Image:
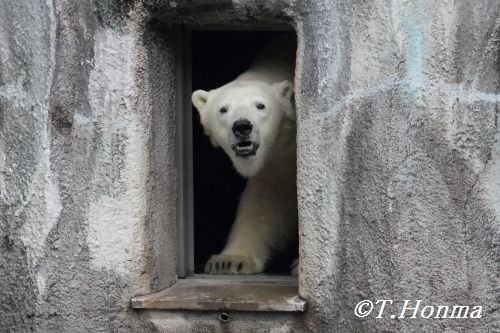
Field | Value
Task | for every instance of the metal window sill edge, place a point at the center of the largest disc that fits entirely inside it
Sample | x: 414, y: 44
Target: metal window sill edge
x: 231, y: 293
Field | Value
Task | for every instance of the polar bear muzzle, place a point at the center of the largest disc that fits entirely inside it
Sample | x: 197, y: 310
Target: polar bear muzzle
x: 242, y: 128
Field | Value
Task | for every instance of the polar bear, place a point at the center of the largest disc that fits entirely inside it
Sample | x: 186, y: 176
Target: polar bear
x: 253, y: 120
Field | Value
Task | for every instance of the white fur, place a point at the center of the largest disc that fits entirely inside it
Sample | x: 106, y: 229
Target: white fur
x: 267, y: 215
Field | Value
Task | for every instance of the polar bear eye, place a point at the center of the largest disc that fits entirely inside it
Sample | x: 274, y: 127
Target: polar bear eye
x: 223, y: 109
x: 260, y: 106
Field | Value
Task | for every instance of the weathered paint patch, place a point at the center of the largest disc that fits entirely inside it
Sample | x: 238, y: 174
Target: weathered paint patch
x: 490, y: 178
x: 117, y: 215
x: 34, y: 233
x: 414, y: 51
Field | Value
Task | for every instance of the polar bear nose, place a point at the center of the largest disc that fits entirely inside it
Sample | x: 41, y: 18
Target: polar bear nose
x: 242, y: 128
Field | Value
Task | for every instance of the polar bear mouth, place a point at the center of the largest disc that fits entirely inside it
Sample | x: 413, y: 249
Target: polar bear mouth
x: 245, y: 148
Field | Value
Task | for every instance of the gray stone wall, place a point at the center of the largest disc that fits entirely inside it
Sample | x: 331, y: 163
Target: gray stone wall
x: 398, y: 162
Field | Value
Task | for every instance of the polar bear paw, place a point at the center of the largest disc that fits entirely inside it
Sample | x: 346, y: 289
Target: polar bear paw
x: 231, y: 264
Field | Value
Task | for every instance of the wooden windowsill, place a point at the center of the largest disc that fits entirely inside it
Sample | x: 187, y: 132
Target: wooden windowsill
x: 241, y: 293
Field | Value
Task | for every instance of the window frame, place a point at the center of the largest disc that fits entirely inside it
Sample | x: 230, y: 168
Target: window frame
x: 184, y: 137
x: 187, y: 290
x: 184, y: 153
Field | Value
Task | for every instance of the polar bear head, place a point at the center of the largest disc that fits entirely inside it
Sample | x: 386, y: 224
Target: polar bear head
x: 245, y: 119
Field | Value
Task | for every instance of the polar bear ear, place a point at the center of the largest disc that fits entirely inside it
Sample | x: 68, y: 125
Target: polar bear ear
x: 199, y: 99
x: 285, y: 89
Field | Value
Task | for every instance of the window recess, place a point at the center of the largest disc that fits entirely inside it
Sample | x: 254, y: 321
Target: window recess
x: 209, y: 187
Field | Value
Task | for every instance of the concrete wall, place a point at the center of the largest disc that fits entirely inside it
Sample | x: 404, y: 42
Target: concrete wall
x: 398, y: 148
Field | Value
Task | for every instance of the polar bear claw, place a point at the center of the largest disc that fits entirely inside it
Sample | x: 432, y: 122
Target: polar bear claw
x: 231, y: 264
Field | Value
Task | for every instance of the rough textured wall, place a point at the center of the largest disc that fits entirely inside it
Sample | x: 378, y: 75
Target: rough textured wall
x: 405, y: 162
x: 398, y: 147
x: 400, y: 180
x: 26, y: 65
x: 77, y: 150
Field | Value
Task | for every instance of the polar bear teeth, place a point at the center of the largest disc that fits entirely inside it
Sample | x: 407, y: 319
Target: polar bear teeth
x: 245, y: 148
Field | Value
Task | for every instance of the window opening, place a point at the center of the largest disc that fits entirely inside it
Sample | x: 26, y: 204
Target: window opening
x: 211, y: 59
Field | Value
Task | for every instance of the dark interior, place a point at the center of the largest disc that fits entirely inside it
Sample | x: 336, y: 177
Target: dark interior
x: 217, y: 58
